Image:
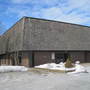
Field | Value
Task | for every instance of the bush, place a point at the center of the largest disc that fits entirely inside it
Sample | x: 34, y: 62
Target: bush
x: 68, y: 63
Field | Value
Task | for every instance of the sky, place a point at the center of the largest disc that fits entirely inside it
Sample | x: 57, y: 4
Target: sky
x: 72, y: 11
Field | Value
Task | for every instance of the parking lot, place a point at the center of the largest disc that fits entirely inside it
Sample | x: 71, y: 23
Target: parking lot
x: 39, y: 80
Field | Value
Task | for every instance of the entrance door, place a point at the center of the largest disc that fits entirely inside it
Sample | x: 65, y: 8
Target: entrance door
x: 60, y: 57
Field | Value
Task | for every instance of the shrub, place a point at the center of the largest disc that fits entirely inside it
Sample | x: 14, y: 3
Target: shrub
x: 68, y: 63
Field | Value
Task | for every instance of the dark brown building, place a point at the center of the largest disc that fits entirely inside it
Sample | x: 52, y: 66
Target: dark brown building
x: 33, y: 41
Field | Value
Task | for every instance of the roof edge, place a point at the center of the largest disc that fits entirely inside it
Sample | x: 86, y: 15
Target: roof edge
x: 13, y: 25
x: 44, y: 20
x: 56, y: 21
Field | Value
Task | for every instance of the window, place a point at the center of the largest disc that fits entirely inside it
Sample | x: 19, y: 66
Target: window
x: 52, y: 55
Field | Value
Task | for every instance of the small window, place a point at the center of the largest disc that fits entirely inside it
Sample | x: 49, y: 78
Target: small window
x: 53, y: 56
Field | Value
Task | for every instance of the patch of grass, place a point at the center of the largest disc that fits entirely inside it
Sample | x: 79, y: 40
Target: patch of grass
x: 42, y: 70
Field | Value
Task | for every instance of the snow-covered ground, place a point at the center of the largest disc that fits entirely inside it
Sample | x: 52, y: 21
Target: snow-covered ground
x: 45, y: 80
x: 12, y: 69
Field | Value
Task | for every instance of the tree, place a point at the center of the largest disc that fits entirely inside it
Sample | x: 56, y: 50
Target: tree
x: 68, y: 63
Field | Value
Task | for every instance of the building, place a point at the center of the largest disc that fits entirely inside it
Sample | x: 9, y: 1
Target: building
x: 33, y: 41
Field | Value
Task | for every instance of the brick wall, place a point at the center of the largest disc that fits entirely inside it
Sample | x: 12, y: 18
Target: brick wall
x: 78, y: 56
x: 42, y: 58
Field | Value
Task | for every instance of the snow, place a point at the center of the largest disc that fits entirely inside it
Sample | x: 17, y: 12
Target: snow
x: 12, y: 68
x: 77, y: 69
x: 54, y: 66
x: 77, y: 62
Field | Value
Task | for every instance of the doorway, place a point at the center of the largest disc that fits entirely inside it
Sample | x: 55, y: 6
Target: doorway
x: 60, y: 57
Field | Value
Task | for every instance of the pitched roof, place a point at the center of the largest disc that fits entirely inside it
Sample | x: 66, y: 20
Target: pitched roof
x: 40, y: 34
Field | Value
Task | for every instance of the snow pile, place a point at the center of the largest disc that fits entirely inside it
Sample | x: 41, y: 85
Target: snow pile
x: 13, y: 68
x: 45, y: 66
x: 77, y: 69
x: 54, y: 66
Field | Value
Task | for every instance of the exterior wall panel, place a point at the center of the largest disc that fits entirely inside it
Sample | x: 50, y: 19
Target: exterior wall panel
x: 27, y: 58
x: 42, y: 58
x: 88, y: 57
x: 78, y: 56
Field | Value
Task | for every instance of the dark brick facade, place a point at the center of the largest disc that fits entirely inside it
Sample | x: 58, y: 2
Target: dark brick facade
x: 42, y: 58
x: 34, y: 58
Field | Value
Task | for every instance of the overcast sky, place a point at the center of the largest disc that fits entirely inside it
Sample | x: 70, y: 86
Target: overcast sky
x: 72, y: 11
